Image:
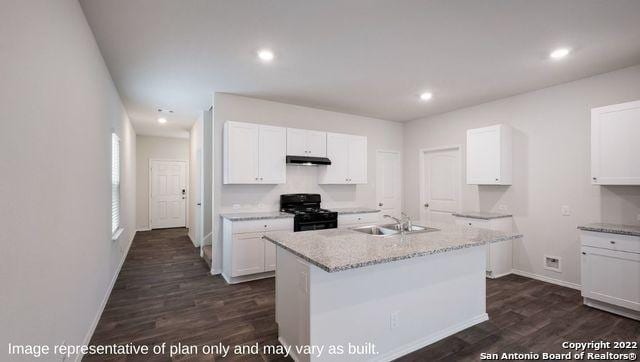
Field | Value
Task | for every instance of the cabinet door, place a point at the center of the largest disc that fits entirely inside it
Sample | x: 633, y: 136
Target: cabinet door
x: 248, y: 254
x: 316, y: 144
x: 241, y: 153
x: 269, y: 256
x: 611, y: 276
x: 272, y: 155
x: 297, y: 142
x: 483, y: 155
x: 338, y: 153
x: 357, y: 160
x: 614, y: 144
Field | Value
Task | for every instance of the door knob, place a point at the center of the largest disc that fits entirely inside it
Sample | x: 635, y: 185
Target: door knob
x: 380, y: 204
x: 426, y: 205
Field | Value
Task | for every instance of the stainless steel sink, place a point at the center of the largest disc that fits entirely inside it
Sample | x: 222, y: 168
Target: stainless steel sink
x: 376, y: 230
x: 391, y: 229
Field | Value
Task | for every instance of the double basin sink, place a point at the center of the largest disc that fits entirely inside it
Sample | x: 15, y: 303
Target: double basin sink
x: 392, y: 229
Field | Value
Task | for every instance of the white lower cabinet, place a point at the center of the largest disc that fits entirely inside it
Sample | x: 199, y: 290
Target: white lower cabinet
x: 611, y: 272
x: 500, y: 254
x: 246, y: 255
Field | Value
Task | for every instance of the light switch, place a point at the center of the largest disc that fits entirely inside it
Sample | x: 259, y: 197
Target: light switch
x: 566, y: 210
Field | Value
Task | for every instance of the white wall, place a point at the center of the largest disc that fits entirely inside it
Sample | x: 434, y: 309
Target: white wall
x: 149, y: 147
x: 551, y: 166
x: 195, y: 173
x: 59, y: 107
x: 381, y: 135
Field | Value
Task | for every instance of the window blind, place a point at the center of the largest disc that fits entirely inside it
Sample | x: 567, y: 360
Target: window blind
x: 115, y: 183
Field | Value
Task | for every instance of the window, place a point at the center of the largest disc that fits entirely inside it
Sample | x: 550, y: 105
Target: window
x: 115, y: 186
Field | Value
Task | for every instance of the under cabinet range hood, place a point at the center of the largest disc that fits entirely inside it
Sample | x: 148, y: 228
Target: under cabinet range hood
x: 308, y: 161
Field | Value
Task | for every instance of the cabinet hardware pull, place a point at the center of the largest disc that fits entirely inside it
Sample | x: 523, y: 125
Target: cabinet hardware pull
x: 612, y: 242
x: 380, y: 204
x: 583, y: 253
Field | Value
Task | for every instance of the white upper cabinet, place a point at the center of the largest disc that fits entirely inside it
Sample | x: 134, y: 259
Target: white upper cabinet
x: 614, y: 144
x: 302, y: 142
x: 489, y: 155
x: 348, y: 155
x: 254, y: 154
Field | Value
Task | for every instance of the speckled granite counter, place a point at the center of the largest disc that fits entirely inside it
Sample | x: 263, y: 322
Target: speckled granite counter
x: 632, y: 230
x: 353, y: 210
x: 481, y: 215
x: 340, y: 249
x: 244, y: 216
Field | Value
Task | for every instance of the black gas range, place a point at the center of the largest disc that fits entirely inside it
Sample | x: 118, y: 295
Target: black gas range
x: 308, y: 213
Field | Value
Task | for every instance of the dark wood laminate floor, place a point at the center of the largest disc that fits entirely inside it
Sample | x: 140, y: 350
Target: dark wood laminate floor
x: 164, y: 293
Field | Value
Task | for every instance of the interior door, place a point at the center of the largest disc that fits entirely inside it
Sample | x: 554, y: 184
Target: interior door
x: 168, y: 194
x: 440, y: 185
x: 316, y: 143
x: 357, y: 160
x: 388, y: 182
x: 272, y: 155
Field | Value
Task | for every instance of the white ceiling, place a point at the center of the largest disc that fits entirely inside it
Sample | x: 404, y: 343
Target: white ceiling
x: 367, y: 57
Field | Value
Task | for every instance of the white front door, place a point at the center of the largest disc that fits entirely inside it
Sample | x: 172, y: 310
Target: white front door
x: 167, y: 194
x: 440, y: 183
x: 388, y: 180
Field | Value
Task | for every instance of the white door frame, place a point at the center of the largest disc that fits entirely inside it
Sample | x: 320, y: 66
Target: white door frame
x: 186, y: 181
x: 399, y: 153
x: 421, y: 179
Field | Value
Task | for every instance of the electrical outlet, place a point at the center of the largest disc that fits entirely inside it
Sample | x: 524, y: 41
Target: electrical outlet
x: 394, y: 319
x: 236, y: 206
x: 566, y: 210
x: 503, y: 208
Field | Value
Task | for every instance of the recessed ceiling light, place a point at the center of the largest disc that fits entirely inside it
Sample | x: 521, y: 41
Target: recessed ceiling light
x: 426, y: 96
x: 162, y: 120
x: 266, y: 55
x: 559, y: 53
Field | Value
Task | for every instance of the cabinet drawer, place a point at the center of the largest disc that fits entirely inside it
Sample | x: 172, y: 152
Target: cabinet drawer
x: 254, y: 226
x: 476, y: 223
x: 626, y: 243
x: 356, y: 219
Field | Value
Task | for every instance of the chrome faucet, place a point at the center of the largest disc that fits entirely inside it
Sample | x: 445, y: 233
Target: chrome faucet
x: 404, y: 222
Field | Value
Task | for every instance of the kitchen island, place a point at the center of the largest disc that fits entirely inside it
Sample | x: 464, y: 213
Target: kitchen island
x: 347, y: 295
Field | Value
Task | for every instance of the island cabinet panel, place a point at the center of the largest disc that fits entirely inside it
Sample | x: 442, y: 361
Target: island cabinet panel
x: 353, y: 220
x: 246, y: 254
x: 614, y: 144
x: 610, y: 272
x: 302, y: 142
x: 500, y: 254
x: 399, y: 307
x: 489, y: 155
x: 348, y: 155
x: 254, y: 154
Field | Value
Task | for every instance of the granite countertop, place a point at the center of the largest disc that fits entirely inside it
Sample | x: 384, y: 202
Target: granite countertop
x: 632, y: 230
x: 481, y: 215
x: 353, y: 210
x: 245, y: 216
x: 335, y: 250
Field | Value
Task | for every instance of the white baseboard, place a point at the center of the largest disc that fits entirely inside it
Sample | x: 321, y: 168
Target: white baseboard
x: 105, y: 299
x: 423, y: 342
x: 143, y: 229
x: 547, y: 279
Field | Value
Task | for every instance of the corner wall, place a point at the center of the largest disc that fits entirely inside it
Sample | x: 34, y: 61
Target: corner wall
x: 551, y: 154
x: 59, y: 104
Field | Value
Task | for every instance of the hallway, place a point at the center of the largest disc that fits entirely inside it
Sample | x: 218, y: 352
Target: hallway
x: 164, y: 293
